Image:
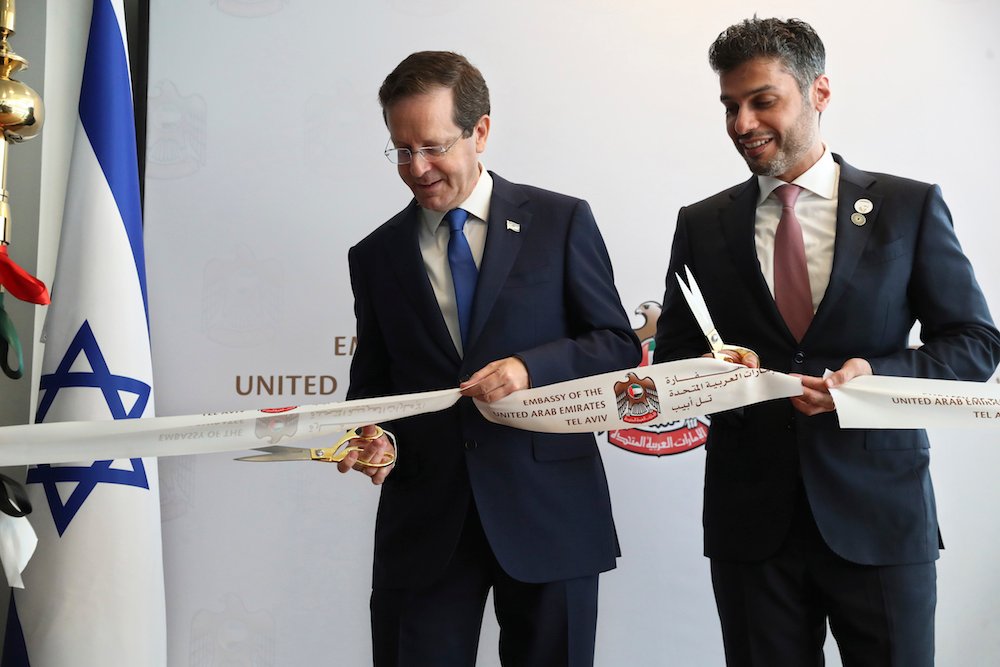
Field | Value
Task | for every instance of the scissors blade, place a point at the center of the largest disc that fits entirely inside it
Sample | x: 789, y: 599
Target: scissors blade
x: 696, y: 302
x: 337, y: 452
x: 279, y: 453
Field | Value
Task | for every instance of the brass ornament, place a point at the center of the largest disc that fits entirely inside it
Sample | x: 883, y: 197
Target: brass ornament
x: 21, y: 116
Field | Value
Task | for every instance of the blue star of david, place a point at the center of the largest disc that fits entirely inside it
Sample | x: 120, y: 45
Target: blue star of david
x: 100, y: 472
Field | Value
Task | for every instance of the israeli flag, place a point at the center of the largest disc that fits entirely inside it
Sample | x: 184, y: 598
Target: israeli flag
x: 94, y: 590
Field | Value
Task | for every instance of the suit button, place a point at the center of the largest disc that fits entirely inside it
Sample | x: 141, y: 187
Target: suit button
x: 800, y: 356
x: 470, y: 444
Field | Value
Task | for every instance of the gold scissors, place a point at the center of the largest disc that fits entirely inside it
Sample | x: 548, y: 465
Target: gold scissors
x: 333, y: 454
x: 696, y: 302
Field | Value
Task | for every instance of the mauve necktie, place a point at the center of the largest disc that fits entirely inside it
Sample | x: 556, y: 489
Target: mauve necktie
x: 463, y: 269
x: 792, y: 293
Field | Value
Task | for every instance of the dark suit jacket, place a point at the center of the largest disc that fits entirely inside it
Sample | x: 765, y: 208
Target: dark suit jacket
x: 869, y: 490
x: 546, y: 294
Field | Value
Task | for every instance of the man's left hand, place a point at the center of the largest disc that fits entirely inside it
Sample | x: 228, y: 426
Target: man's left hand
x: 496, y: 380
x: 815, y: 398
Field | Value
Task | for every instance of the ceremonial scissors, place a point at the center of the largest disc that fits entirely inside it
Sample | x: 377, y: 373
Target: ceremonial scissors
x: 696, y: 302
x: 338, y: 451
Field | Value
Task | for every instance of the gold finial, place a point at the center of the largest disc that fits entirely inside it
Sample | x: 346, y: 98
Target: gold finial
x: 7, y: 17
x: 21, y: 110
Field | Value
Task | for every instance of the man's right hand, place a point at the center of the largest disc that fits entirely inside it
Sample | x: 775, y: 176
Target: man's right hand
x: 372, y: 450
x: 741, y: 356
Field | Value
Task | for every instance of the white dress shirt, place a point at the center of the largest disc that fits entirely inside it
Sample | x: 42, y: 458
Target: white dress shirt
x: 816, y: 210
x: 433, y: 238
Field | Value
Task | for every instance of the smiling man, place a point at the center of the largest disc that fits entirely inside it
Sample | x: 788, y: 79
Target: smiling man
x: 813, y: 265
x: 495, y: 287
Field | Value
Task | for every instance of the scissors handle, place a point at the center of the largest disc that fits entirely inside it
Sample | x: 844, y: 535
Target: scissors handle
x: 715, y: 342
x: 340, y: 449
x: 739, y: 349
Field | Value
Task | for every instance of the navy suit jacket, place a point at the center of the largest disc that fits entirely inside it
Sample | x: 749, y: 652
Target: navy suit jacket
x: 869, y: 490
x: 546, y: 294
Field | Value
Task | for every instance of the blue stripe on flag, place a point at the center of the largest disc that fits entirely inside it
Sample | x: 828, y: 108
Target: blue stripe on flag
x: 106, y: 78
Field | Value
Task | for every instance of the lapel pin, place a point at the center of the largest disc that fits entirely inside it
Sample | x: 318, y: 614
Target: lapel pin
x: 858, y: 219
x: 513, y: 226
x: 864, y: 207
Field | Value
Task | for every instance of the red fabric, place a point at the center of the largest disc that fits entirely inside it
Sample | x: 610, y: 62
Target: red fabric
x: 791, y: 273
x: 21, y: 284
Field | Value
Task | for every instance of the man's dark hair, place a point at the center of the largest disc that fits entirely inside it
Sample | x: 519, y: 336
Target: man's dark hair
x: 424, y: 71
x: 793, y: 42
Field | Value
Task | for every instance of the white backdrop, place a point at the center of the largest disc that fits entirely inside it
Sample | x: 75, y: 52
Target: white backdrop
x: 264, y: 166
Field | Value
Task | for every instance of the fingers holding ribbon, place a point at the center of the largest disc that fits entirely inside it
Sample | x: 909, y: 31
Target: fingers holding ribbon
x: 816, y: 398
x: 497, y: 379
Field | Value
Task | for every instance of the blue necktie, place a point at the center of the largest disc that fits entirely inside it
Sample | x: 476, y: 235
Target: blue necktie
x: 463, y: 269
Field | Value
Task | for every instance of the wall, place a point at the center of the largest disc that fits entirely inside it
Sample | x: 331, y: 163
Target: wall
x: 264, y: 164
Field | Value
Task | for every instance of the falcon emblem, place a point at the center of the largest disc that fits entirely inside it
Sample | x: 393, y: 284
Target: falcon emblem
x: 648, y: 437
x: 650, y: 311
x: 276, y: 427
x: 637, y: 399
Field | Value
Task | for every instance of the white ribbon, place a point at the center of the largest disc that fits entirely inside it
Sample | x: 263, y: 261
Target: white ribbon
x: 678, y: 389
x: 655, y: 394
x: 17, y: 544
x: 65, y: 442
x: 659, y: 393
x: 882, y: 401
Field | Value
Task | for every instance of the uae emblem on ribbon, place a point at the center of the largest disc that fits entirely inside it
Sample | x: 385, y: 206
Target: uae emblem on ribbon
x: 638, y: 401
x: 648, y: 436
x: 276, y: 426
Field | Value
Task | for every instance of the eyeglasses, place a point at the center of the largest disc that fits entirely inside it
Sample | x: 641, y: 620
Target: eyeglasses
x: 429, y: 153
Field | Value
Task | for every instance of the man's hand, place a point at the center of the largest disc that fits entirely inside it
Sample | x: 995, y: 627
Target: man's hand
x: 740, y: 355
x: 815, y: 398
x: 497, y: 379
x: 374, y: 450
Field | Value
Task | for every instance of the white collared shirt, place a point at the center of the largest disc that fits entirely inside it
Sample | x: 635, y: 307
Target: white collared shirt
x: 816, y: 210
x: 433, y: 238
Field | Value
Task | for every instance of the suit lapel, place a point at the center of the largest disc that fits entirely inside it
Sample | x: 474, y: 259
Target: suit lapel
x: 738, y: 221
x: 402, y: 253
x: 851, y: 238
x: 502, y: 247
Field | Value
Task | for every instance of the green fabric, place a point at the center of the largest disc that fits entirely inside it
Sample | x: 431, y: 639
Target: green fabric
x: 9, y: 341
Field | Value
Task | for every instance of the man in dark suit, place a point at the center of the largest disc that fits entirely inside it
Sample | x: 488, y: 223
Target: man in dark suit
x: 470, y: 505
x: 804, y: 522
